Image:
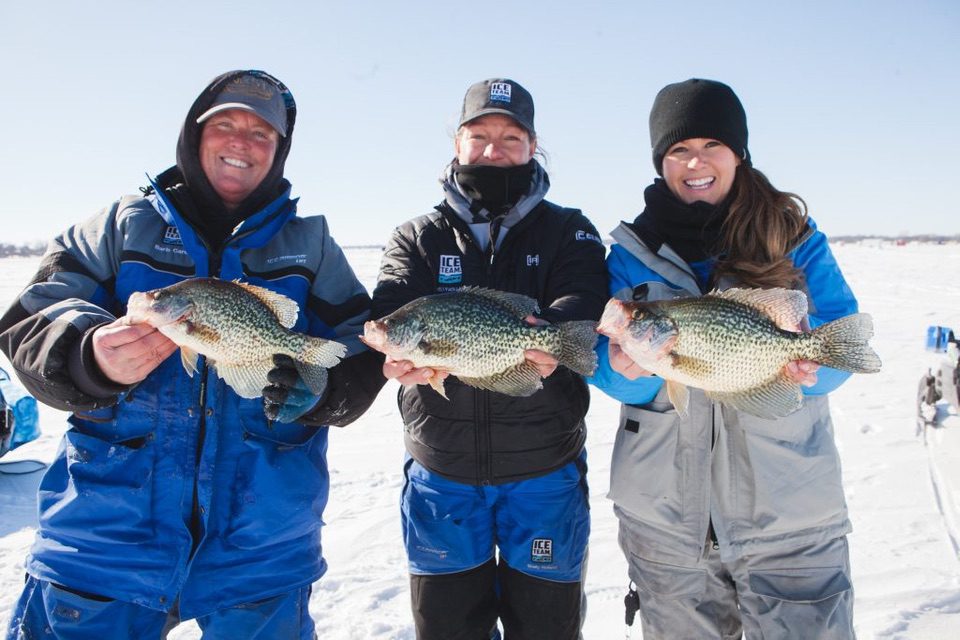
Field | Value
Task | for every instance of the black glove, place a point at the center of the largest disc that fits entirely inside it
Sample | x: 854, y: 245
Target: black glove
x: 352, y: 386
x: 287, y: 398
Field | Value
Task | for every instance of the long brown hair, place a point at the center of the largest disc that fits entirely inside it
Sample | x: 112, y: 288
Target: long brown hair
x: 762, y: 227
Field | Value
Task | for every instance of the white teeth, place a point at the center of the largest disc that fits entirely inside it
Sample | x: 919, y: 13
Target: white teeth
x: 233, y: 162
x: 699, y: 183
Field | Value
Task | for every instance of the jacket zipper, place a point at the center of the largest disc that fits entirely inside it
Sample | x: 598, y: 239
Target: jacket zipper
x: 196, y: 511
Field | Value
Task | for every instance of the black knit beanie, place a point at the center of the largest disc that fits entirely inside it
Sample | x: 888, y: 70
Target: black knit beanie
x: 697, y: 108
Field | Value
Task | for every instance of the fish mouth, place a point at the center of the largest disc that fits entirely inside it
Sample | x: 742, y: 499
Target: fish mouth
x: 374, y: 335
x: 614, y: 319
x: 144, y: 307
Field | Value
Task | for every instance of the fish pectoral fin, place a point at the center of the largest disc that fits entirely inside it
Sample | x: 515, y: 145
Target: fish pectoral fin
x: 679, y: 396
x: 247, y: 380
x: 520, y: 380
x: 775, y: 399
x: 189, y: 357
x: 437, y: 383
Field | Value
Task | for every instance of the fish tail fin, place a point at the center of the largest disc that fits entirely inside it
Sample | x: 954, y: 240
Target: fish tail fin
x: 844, y: 344
x: 315, y: 357
x: 577, y: 340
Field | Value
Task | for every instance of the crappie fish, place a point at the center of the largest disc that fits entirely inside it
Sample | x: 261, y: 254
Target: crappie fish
x: 734, y: 345
x: 238, y: 327
x: 479, y: 335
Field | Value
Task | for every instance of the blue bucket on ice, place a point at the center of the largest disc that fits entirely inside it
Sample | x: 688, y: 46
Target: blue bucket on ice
x: 19, y: 418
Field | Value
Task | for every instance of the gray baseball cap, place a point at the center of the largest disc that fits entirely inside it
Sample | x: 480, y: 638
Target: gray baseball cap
x: 254, y: 94
x: 498, y: 95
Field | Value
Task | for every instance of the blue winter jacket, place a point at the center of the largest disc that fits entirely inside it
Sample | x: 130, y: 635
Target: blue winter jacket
x: 138, y: 470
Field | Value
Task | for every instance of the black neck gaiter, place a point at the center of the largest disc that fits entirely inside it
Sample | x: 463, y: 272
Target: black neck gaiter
x: 495, y: 189
x: 692, y: 230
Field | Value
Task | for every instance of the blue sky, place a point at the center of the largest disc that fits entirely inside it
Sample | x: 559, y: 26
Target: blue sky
x: 852, y: 105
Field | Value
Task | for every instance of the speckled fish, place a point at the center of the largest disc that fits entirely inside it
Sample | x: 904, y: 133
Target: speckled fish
x: 238, y: 327
x: 735, y: 344
x: 479, y: 335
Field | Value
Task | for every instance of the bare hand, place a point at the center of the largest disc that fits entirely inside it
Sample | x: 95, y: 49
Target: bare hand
x: 127, y: 353
x: 624, y: 364
x: 802, y: 372
x: 545, y: 363
x: 405, y: 373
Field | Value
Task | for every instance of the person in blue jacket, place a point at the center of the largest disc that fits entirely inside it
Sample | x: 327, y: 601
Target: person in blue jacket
x: 171, y: 497
x: 731, y: 524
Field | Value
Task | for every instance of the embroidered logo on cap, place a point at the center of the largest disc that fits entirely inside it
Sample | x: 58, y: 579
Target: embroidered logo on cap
x: 500, y: 92
x: 541, y: 550
x: 450, y: 270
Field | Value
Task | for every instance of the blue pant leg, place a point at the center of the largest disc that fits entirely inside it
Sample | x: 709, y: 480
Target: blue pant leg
x: 543, y: 524
x: 283, y: 617
x: 48, y: 611
x: 448, y: 526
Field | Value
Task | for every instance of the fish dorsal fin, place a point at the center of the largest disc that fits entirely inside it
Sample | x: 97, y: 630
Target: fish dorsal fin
x: 518, y: 303
x: 283, y: 307
x: 787, y: 308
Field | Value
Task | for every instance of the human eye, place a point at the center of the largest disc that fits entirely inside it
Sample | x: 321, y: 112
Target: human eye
x: 676, y: 150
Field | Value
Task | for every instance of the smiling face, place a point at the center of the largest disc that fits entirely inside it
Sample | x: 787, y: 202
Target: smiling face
x: 236, y: 152
x: 495, y: 140
x: 700, y: 169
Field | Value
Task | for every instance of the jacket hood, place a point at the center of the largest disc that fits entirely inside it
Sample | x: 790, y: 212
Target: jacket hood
x: 188, y: 150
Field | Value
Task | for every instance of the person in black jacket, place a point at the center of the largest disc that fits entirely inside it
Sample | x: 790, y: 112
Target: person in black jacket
x: 486, y: 471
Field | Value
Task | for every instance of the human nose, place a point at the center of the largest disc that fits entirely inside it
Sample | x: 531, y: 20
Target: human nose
x: 694, y: 161
x: 240, y: 138
x: 492, y: 152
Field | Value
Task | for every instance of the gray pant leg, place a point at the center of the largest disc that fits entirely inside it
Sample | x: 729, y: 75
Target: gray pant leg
x: 682, y: 599
x: 801, y: 594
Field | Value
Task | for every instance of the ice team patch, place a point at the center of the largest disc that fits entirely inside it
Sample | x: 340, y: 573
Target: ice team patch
x: 172, y: 236
x: 450, y: 270
x: 500, y: 92
x: 541, y: 550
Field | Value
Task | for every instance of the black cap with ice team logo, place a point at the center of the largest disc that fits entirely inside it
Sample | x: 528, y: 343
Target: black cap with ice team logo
x: 498, y: 95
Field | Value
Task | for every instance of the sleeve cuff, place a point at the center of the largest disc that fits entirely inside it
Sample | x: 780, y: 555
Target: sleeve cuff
x: 84, y: 372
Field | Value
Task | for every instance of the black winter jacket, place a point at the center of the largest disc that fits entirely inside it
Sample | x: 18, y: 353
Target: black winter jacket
x: 480, y: 437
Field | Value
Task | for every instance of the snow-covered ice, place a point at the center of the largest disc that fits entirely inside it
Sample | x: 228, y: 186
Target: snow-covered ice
x: 903, y: 487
